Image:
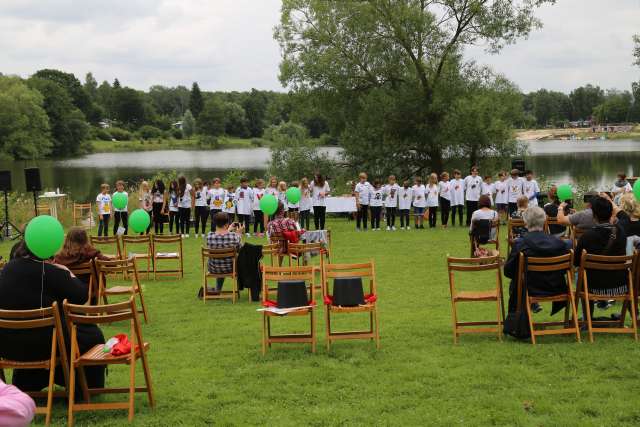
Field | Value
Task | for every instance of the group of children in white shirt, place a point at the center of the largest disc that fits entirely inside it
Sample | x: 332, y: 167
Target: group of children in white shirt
x: 450, y: 195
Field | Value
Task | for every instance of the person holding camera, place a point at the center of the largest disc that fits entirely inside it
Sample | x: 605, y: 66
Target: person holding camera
x: 582, y: 219
x: 225, y: 236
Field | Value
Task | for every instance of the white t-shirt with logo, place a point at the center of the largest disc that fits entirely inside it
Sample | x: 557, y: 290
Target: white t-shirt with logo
x: 457, y: 192
x: 515, y: 189
x: 500, y: 188
x: 390, y: 192
x: 229, y: 202
x: 257, y: 196
x: 185, y: 200
x: 488, y: 190
x: 305, y: 199
x: 419, y: 196
x: 432, y: 195
x: 201, y: 197
x: 125, y: 209
x: 444, y: 188
x: 273, y: 191
x: 104, y: 204
x: 173, y: 202
x: 244, y: 201
x: 531, y: 188
x: 405, y: 196
x: 364, y: 190
x: 472, y: 187
x: 319, y: 194
x: 216, y: 198
x: 377, y: 195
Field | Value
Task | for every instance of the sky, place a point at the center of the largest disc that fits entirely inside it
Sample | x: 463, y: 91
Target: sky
x: 228, y: 44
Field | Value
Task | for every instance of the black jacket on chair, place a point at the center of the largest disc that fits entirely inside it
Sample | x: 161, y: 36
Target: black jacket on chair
x: 536, y: 244
x: 249, y: 269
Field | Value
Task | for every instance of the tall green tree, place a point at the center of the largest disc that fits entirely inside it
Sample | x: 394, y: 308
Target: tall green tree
x: 211, y: 121
x: 235, y: 120
x: 584, y: 99
x: 615, y: 109
x: 24, y: 125
x: 196, y: 102
x: 128, y: 106
x: 91, y: 86
x: 103, y: 98
x: 69, y: 130
x: 636, y: 49
x: 71, y: 84
x: 188, y: 124
x: 354, y: 55
x: 255, y: 107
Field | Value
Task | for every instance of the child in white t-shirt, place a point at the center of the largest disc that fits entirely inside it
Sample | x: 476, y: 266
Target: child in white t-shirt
x: 145, y: 198
x: 216, y: 198
x: 531, y: 189
x: 457, y: 197
x: 502, y: 203
x: 515, y: 190
x: 258, y: 216
x: 444, y: 188
x: 121, y: 214
x: 282, y: 195
x: 363, y: 197
x: 472, y: 188
x: 419, y: 201
x: 432, y: 199
x: 375, y: 204
x: 405, y: 198
x: 487, y: 188
x: 391, y: 201
x: 173, y: 206
x: 103, y: 204
x: 320, y: 190
x: 293, y: 208
x: 305, y: 203
x: 229, y: 206
x: 244, y: 204
x: 201, y: 214
x: 186, y: 202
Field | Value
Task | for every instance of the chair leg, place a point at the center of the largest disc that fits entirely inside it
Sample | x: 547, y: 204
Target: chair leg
x: 72, y: 384
x: 499, y: 323
x: 574, y: 314
x: 52, y: 374
x: 533, y: 335
x: 455, y: 321
x: 587, y: 309
x: 634, y: 320
x: 144, y: 307
x: 147, y: 379
x: 375, y: 316
x: 132, y: 384
x: 313, y: 330
x: 327, y: 318
x: 264, y: 334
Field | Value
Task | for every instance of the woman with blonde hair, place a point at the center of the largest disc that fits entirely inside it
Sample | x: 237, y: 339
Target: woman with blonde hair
x: 432, y: 199
x: 630, y: 206
x: 146, y: 201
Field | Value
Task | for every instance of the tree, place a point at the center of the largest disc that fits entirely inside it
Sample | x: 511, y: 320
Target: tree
x: 196, y: 102
x: 636, y: 49
x: 103, y: 98
x: 71, y: 84
x: 188, y: 124
x: 211, y: 121
x: 584, y: 99
x: 116, y: 84
x: 91, y: 86
x: 255, y: 107
x: 69, y: 129
x: 615, y: 108
x: 24, y: 125
x: 128, y: 106
x: 352, y: 55
x: 235, y: 120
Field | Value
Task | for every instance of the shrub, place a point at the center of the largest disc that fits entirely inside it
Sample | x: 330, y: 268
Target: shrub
x: 208, y: 141
x: 148, y: 132
x: 120, y: 134
x: 176, y: 133
x: 256, y: 142
x: 103, y: 134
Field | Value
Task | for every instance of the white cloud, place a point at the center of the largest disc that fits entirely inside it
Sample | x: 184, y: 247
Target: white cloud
x: 228, y: 44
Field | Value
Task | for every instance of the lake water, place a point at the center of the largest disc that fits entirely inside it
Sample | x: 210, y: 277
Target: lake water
x: 594, y: 162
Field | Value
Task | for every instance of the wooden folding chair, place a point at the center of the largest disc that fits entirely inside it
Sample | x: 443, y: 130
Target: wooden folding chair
x: 302, y: 252
x: 271, y: 250
x: 610, y: 264
x: 82, y: 211
x: 44, y: 209
x: 513, y: 223
x: 127, y: 267
x: 474, y: 265
x: 273, y: 275
x: 364, y: 271
x: 97, y: 315
x: 143, y: 247
x: 562, y: 264
x: 112, y: 244
x: 576, y: 233
x: 88, y: 270
x: 494, y: 237
x: 553, y: 221
x: 159, y: 240
x: 282, y: 244
x: 219, y: 254
x: 49, y: 317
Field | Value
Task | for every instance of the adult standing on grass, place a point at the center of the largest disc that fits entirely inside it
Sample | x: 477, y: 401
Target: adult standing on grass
x: 159, y: 205
x: 226, y: 236
x: 319, y: 192
x: 186, y: 199
x: 472, y: 189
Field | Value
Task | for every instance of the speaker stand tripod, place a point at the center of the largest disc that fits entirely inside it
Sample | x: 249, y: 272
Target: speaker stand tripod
x: 6, y: 226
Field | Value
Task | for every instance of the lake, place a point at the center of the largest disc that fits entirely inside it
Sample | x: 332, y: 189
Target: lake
x: 594, y: 162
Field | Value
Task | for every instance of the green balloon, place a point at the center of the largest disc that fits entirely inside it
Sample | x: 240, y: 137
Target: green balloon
x: 565, y: 192
x: 293, y: 195
x: 269, y: 204
x: 139, y: 220
x: 119, y: 200
x: 44, y: 236
x: 636, y: 189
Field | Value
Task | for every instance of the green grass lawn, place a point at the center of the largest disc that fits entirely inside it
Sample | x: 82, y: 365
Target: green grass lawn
x: 207, y: 365
x: 99, y: 146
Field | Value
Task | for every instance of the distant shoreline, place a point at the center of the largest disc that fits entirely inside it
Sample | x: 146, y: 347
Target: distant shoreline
x: 574, y: 134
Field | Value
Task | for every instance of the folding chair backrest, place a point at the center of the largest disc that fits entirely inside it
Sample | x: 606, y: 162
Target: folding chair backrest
x: 361, y: 270
x: 472, y: 265
x: 110, y: 241
x: 219, y: 253
x: 606, y: 263
x: 125, y: 266
x: 87, y: 269
x: 280, y: 274
x: 514, y: 223
x: 136, y: 241
x: 100, y: 314
x: 160, y: 238
x: 548, y: 264
x: 270, y: 250
x: 279, y: 240
x: 576, y: 233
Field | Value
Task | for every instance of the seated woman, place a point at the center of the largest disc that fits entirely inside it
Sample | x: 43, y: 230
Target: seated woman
x: 523, y: 205
x: 535, y: 243
x: 226, y: 236
x: 77, y: 250
x: 481, y: 229
x: 551, y: 209
x: 27, y: 283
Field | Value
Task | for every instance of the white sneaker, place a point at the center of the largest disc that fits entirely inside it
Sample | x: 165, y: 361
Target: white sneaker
x: 393, y: 228
x: 182, y: 235
x: 388, y: 228
x: 248, y: 234
x: 187, y: 236
x: 408, y: 228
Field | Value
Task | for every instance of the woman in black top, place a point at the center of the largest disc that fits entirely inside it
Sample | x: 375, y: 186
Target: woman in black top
x: 27, y: 283
x: 551, y: 209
